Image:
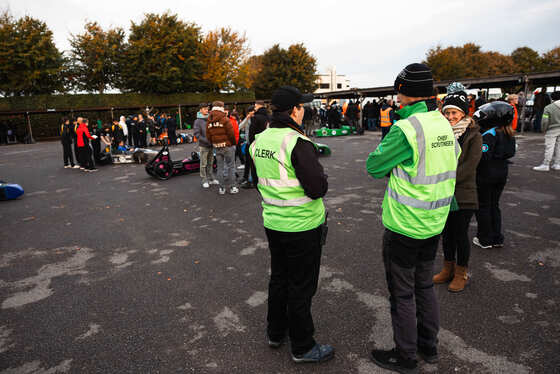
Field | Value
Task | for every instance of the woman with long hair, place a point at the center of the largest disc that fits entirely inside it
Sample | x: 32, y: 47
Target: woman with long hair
x: 498, y: 146
x: 456, y: 243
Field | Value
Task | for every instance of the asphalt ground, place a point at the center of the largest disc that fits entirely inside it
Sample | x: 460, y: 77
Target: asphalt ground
x: 117, y: 272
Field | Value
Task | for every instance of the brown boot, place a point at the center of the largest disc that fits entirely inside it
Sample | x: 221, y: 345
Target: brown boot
x: 446, y: 274
x: 460, y: 279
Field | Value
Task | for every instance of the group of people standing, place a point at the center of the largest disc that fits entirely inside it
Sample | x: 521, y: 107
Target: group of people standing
x: 218, y: 133
x: 139, y: 131
x: 77, y: 133
x: 443, y: 168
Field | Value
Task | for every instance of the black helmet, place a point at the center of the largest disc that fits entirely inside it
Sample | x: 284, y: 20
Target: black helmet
x: 497, y: 113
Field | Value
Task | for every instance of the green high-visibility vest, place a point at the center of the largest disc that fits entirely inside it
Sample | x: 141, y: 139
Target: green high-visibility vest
x: 419, y: 195
x: 285, y: 205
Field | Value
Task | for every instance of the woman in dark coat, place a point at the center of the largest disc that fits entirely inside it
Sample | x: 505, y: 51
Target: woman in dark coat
x: 456, y: 243
x: 498, y: 146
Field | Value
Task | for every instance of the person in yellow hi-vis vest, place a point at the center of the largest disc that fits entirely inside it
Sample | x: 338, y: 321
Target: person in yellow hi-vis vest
x: 292, y: 183
x: 420, y: 156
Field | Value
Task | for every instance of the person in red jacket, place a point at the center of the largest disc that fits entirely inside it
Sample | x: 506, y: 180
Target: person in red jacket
x: 84, y: 149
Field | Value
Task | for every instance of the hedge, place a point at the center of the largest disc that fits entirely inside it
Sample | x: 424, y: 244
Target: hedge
x: 47, y: 125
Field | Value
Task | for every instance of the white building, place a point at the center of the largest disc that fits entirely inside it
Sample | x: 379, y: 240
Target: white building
x: 332, y: 82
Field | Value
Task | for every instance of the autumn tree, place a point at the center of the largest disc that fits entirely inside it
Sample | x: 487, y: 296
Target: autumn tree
x: 223, y: 53
x: 551, y: 59
x: 468, y: 61
x: 94, y: 56
x: 248, y: 73
x: 162, y: 56
x: 527, y: 60
x: 30, y: 63
x: 294, y: 66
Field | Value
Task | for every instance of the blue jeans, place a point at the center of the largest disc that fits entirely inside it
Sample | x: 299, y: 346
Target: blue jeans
x: 538, y: 120
x: 372, y: 123
x: 225, y: 158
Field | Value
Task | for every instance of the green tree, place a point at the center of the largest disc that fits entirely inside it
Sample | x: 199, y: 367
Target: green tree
x: 527, y: 60
x: 162, y: 56
x: 30, y: 63
x: 94, y: 57
x: 294, y: 66
x: 223, y: 53
x: 551, y: 59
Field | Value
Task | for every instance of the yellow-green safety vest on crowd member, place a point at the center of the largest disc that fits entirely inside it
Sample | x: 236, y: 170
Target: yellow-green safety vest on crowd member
x: 418, y: 195
x: 285, y: 205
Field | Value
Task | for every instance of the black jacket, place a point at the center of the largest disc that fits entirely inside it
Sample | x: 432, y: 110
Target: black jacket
x: 67, y: 133
x: 171, y: 123
x: 305, y: 159
x: 497, y: 148
x: 259, y: 122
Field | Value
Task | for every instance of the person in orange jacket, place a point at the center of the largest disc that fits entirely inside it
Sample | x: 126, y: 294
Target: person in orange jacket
x: 513, y: 100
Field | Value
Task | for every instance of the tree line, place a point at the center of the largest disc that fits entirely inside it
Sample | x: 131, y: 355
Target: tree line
x: 165, y: 55
x: 162, y: 55
x: 470, y: 61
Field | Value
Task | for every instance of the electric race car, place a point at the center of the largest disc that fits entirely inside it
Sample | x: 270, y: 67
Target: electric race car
x: 162, y: 167
x: 131, y: 156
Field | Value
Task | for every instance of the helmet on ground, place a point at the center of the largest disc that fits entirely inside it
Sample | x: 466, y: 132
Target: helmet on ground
x: 497, y: 113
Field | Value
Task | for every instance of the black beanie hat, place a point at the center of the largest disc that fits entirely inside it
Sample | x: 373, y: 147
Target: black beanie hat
x: 415, y: 80
x: 457, y: 100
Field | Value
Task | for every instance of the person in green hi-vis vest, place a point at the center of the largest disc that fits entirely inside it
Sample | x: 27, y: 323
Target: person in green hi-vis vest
x: 292, y: 184
x: 419, y: 154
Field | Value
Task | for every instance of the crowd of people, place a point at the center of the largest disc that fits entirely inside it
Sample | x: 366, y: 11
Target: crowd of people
x: 444, y: 166
x: 446, y: 161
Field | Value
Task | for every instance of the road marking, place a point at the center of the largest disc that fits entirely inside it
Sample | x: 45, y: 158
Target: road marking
x: 227, y: 322
x: 258, y: 243
x: 505, y: 275
x: 40, y: 283
x: 93, y: 329
x: 36, y: 367
x: 5, y: 344
x: 258, y: 298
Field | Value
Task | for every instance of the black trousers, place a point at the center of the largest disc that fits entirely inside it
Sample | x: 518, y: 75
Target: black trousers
x: 172, y: 136
x: 409, y: 266
x: 250, y: 168
x: 85, y: 154
x: 132, y: 136
x: 455, y: 236
x: 384, y: 131
x: 489, y: 216
x: 295, y: 258
x: 67, y: 152
x: 77, y: 153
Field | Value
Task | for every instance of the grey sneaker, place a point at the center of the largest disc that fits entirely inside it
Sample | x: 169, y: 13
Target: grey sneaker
x: 233, y: 190
x: 222, y: 191
x: 319, y: 353
x: 477, y: 242
x: 555, y: 167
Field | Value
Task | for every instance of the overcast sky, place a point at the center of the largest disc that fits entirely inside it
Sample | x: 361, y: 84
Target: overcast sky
x: 368, y: 41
